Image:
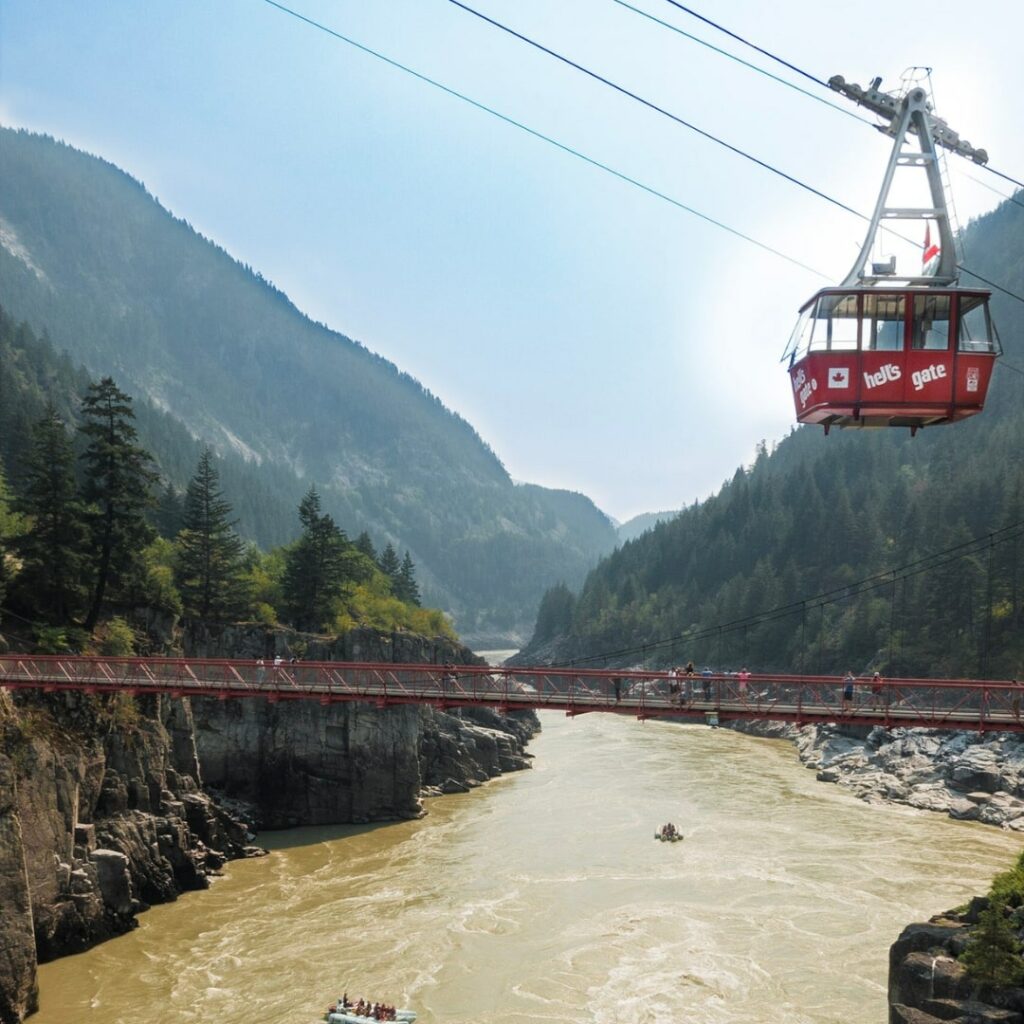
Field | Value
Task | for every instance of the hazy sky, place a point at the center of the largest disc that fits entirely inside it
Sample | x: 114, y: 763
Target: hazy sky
x: 598, y: 338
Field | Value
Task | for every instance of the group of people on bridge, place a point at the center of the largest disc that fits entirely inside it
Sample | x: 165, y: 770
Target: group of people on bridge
x: 878, y: 691
x: 682, y: 681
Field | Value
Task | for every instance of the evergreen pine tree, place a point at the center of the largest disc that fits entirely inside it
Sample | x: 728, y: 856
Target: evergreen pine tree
x: 169, y: 514
x: 118, y: 479
x: 52, y: 580
x: 316, y: 567
x: 389, y: 564
x: 365, y: 545
x: 406, y: 588
x: 992, y: 956
x: 209, y: 566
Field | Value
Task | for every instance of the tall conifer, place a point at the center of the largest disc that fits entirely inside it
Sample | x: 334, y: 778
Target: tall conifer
x: 209, y: 569
x: 406, y: 588
x: 52, y: 551
x: 316, y: 567
x: 365, y: 544
x: 118, y: 482
x: 389, y: 564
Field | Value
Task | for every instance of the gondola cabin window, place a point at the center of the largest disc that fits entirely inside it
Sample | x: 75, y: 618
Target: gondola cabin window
x: 884, y: 321
x: 930, y: 329
x: 976, y: 333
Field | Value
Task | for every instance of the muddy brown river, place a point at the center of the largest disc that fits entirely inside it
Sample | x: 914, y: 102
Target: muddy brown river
x: 543, y: 897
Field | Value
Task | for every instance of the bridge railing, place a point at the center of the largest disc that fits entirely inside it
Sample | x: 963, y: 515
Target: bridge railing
x: 940, y: 702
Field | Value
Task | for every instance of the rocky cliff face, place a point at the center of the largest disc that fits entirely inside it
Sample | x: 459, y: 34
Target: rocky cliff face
x: 101, y: 814
x: 105, y: 802
x: 303, y: 763
x: 18, y: 994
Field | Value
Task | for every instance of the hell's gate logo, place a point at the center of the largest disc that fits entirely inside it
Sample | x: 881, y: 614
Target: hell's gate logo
x: 803, y: 387
x: 921, y: 377
x: 887, y: 374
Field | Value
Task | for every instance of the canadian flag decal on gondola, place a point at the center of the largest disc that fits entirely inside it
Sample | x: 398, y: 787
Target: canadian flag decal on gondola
x: 930, y: 254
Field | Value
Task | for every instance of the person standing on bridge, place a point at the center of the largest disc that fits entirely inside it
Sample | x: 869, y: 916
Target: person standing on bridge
x: 877, y: 688
x: 705, y: 681
x: 848, y: 682
x: 744, y: 678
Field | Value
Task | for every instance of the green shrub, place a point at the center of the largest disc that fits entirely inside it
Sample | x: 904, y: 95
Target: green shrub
x: 117, y: 639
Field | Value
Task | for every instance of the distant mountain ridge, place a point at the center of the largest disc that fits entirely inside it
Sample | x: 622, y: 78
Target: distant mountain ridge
x: 129, y: 290
x: 632, y: 528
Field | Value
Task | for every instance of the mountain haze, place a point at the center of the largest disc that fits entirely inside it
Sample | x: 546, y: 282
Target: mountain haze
x: 127, y: 289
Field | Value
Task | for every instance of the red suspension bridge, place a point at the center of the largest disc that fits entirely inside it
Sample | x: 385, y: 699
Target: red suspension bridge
x: 988, y: 706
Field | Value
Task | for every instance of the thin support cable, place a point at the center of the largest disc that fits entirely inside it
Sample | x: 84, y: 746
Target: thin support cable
x: 650, y: 190
x: 745, y: 63
x: 747, y: 42
x: 569, y: 62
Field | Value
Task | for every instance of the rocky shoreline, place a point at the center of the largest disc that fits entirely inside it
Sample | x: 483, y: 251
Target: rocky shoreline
x: 968, y: 775
x: 111, y: 804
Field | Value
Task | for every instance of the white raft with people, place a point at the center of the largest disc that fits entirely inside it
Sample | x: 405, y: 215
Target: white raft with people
x: 345, y: 1012
x: 668, y: 834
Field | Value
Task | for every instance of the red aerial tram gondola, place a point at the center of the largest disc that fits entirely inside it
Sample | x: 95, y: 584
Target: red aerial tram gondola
x: 887, y: 349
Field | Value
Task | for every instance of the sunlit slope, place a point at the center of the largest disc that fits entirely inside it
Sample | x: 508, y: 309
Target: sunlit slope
x: 89, y: 256
x: 821, y: 512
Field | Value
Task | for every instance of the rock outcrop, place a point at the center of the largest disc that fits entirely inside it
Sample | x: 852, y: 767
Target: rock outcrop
x: 18, y: 993
x: 928, y: 984
x: 967, y: 775
x: 101, y: 814
x: 303, y: 763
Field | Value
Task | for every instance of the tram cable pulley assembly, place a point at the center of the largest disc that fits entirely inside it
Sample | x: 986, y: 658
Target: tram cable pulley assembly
x: 887, y: 347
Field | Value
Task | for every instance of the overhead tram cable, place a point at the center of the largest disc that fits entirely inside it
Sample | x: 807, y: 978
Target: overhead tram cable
x: 944, y: 136
x: 1005, y: 195
x: 744, y: 63
x: 592, y: 161
x: 799, y: 70
x: 747, y: 42
x: 653, y: 106
x: 578, y: 154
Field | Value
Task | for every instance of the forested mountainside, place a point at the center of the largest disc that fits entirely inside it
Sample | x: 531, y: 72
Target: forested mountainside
x: 820, y: 513
x: 90, y: 258
x: 34, y: 375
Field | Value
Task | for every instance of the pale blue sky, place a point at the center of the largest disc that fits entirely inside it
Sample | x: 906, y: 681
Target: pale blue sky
x: 597, y: 338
